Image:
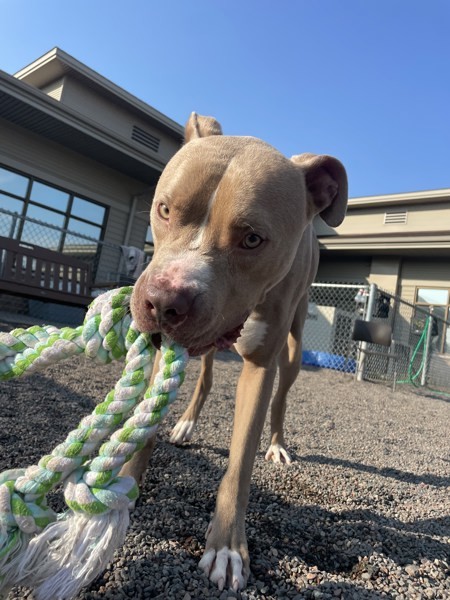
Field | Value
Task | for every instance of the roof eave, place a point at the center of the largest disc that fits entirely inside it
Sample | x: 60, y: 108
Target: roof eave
x: 439, y: 242
x: 38, y: 101
x: 439, y: 195
x: 56, y: 63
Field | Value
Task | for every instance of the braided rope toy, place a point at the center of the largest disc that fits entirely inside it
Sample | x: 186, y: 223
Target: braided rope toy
x: 57, y: 555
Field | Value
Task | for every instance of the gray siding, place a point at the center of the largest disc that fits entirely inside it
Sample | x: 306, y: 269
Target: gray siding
x: 344, y: 269
x: 423, y: 273
x: 384, y: 272
x: 139, y: 231
x: 55, y: 164
x: 113, y: 117
x: 419, y: 218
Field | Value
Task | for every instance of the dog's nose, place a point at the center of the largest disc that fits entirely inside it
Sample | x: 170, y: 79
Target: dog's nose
x: 170, y: 307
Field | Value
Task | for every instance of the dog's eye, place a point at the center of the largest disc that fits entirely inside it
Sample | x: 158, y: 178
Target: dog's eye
x: 163, y: 211
x: 252, y: 241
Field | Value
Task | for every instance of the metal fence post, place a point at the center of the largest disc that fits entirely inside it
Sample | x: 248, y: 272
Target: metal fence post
x: 427, y: 350
x: 368, y: 317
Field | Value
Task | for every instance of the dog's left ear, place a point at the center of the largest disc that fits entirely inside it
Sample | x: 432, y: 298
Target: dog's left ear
x: 326, y: 182
x: 200, y: 126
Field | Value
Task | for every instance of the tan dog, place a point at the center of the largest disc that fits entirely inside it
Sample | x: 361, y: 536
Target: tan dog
x: 235, y: 254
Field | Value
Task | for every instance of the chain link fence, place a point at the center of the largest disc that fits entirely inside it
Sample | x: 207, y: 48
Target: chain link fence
x: 421, y: 340
x: 108, y: 261
x: 332, y: 311
x: 419, y: 353
x: 111, y: 265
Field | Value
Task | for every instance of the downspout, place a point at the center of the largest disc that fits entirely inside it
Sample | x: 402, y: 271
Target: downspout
x: 126, y: 239
x: 131, y: 216
x: 427, y: 349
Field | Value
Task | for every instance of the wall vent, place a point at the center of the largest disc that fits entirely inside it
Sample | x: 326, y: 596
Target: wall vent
x: 395, y: 218
x: 54, y: 89
x: 145, y: 138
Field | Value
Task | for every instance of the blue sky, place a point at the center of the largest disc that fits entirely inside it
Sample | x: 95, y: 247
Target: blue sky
x: 367, y: 81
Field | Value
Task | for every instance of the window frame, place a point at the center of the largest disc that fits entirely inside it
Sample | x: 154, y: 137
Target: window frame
x: 427, y: 306
x: 67, y: 214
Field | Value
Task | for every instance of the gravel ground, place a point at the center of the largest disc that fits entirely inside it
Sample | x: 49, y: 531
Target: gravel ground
x: 362, y: 513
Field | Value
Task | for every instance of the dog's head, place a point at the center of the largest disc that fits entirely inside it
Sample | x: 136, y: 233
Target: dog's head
x: 227, y: 219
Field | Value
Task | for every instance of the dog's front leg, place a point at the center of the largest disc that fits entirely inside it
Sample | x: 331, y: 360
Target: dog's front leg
x: 226, y: 558
x: 183, y: 430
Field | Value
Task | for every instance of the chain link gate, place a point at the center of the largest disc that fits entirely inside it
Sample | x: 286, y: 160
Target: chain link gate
x: 327, y: 339
x: 332, y: 310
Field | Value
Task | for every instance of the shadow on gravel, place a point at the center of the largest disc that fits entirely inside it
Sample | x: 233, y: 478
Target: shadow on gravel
x: 143, y: 584
x: 35, y: 408
x: 303, y: 531
x: 334, y: 541
x: 228, y: 356
x: 287, y: 539
x: 405, y: 476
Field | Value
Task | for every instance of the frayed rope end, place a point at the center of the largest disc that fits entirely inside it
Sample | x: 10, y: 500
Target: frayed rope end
x: 71, y: 553
x: 12, y: 550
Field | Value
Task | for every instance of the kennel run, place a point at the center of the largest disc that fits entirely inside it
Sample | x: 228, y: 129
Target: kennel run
x: 420, y: 343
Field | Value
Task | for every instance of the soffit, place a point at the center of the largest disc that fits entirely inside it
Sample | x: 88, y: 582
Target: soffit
x: 389, y: 200
x: 436, y: 244
x: 57, y: 63
x: 33, y: 110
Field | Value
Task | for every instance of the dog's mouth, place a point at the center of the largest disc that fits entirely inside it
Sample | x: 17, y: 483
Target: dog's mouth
x: 223, y: 342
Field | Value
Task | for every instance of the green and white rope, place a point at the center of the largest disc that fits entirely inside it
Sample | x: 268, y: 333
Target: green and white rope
x: 103, y: 337
x: 33, y: 547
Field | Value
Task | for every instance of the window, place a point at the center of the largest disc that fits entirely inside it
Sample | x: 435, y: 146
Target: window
x: 11, y: 204
x: 88, y: 210
x: 58, y: 210
x: 87, y: 229
x: 49, y: 196
x: 432, y: 297
x: 13, y: 183
x: 435, y: 301
x: 9, y: 223
x: 148, y: 246
x: 34, y: 233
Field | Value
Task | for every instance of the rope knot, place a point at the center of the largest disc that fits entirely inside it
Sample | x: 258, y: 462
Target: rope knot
x: 28, y: 513
x: 115, y: 494
x: 106, y: 326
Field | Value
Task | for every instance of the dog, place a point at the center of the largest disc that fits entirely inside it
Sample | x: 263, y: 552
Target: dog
x: 235, y: 254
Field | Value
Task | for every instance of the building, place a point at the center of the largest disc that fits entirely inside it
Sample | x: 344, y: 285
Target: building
x: 80, y: 158
x: 401, y: 242
x: 79, y: 161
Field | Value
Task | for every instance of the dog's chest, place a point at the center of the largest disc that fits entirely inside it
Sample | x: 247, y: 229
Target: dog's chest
x: 252, y: 337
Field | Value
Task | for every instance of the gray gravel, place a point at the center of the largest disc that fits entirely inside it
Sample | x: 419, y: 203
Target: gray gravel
x: 362, y: 513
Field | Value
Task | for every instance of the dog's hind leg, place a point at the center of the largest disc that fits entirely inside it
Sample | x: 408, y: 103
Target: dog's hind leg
x: 183, y: 430
x: 289, y: 363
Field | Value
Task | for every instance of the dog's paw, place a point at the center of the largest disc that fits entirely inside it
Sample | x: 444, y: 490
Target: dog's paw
x: 182, y: 432
x: 224, y: 567
x: 226, y: 561
x: 278, y: 454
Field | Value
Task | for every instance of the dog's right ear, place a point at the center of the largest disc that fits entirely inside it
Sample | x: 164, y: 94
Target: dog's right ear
x: 200, y: 126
